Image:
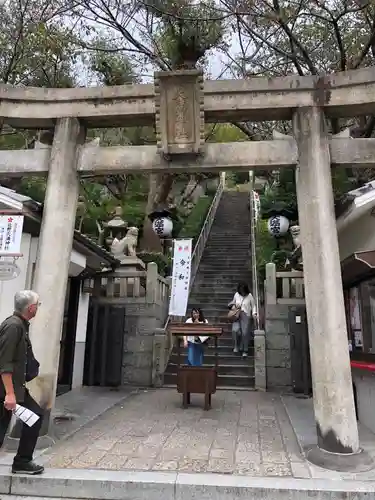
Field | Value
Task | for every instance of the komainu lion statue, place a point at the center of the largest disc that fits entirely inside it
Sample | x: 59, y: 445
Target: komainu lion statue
x: 126, y: 247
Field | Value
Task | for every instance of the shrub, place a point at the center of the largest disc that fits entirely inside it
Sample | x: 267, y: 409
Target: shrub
x: 193, y: 223
x: 163, y: 261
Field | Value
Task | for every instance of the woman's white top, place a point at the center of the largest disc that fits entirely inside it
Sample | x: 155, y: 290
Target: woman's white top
x: 191, y: 338
x: 247, y: 304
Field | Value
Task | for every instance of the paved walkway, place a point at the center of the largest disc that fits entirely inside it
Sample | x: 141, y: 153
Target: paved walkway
x: 245, y: 433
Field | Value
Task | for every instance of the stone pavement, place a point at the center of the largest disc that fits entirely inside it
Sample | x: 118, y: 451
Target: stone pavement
x: 248, y: 446
x: 301, y: 415
x: 245, y: 433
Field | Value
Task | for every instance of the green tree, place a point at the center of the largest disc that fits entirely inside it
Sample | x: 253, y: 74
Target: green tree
x: 164, y: 35
x: 35, y: 50
x: 33, y: 42
x: 186, y: 30
x: 282, y: 38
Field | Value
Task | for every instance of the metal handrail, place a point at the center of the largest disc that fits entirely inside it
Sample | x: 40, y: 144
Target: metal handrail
x: 205, y: 231
x: 253, y: 225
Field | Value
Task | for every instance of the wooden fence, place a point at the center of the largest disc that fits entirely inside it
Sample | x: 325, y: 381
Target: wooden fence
x: 130, y: 283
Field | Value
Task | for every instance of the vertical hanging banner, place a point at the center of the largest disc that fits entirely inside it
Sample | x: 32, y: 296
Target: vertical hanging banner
x: 180, y: 277
x: 10, y: 234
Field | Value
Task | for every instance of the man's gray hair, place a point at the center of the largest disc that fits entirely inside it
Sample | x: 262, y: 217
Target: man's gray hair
x: 24, y: 299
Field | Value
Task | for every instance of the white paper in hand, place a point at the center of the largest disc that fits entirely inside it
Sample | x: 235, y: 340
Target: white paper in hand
x: 27, y: 416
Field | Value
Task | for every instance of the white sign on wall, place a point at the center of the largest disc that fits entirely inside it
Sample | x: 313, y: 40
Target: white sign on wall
x: 180, y: 277
x: 10, y: 234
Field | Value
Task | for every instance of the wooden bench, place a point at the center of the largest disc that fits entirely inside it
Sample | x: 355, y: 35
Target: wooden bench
x: 196, y: 379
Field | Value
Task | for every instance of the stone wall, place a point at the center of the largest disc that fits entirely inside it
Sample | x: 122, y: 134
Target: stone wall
x: 142, y: 320
x: 283, y: 292
x: 279, y: 376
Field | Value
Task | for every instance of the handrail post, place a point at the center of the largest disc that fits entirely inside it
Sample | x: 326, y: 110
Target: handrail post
x: 271, y: 290
x: 152, y: 282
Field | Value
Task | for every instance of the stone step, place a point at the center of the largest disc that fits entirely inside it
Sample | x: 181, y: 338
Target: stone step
x: 219, y: 294
x: 226, y: 239
x: 222, y: 260
x: 223, y: 369
x: 230, y: 209
x: 233, y: 225
x: 219, y: 232
x: 207, y: 301
x: 223, y: 341
x: 232, y: 246
x: 224, y: 360
x: 218, y: 257
x: 223, y: 263
x: 227, y: 284
x: 226, y: 278
x: 235, y: 251
x: 231, y: 250
x: 81, y: 484
x: 224, y: 271
x: 223, y: 380
x: 220, y: 282
x: 224, y: 350
x: 210, y: 310
x: 234, y: 220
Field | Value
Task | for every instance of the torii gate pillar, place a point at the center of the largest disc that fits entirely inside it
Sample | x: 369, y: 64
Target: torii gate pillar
x: 52, y: 266
x: 334, y: 408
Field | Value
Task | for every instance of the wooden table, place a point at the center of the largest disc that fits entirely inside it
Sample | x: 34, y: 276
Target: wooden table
x: 196, y: 379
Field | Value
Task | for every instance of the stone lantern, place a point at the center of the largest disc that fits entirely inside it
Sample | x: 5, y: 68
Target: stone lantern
x: 115, y: 226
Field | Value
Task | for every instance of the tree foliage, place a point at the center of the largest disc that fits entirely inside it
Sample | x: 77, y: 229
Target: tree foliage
x: 35, y: 48
x: 67, y: 43
x: 185, y: 30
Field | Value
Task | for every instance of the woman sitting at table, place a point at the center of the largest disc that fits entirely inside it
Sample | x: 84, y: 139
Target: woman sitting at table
x: 194, y: 344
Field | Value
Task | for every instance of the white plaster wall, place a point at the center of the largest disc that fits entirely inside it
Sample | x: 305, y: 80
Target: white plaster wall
x: 358, y: 236
x: 29, y: 249
x: 77, y: 263
x: 365, y: 385
x: 9, y: 288
x: 76, y: 266
x: 80, y: 345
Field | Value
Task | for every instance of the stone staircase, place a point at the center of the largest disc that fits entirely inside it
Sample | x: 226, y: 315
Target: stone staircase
x: 225, y: 262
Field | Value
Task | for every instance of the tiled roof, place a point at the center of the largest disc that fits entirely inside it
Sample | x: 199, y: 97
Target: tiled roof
x: 90, y: 243
x: 17, y: 196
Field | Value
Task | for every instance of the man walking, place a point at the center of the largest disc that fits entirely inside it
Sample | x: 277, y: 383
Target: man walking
x: 18, y: 366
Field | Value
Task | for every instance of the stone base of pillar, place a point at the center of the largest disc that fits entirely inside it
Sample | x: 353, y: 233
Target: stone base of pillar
x: 340, y: 462
x: 11, y: 443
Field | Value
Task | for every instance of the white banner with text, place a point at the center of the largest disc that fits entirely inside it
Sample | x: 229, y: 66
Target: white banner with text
x: 10, y: 234
x: 180, y: 277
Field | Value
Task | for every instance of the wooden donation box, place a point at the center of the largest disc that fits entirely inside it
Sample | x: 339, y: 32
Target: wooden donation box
x: 196, y: 379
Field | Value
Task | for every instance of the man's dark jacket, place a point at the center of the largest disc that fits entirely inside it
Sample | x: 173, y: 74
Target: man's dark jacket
x: 16, y: 356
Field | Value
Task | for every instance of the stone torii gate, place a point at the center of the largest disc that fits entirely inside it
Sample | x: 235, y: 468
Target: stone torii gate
x: 179, y: 104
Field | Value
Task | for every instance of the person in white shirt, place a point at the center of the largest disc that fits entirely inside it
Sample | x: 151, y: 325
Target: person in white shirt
x: 194, y: 344
x: 241, y: 329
